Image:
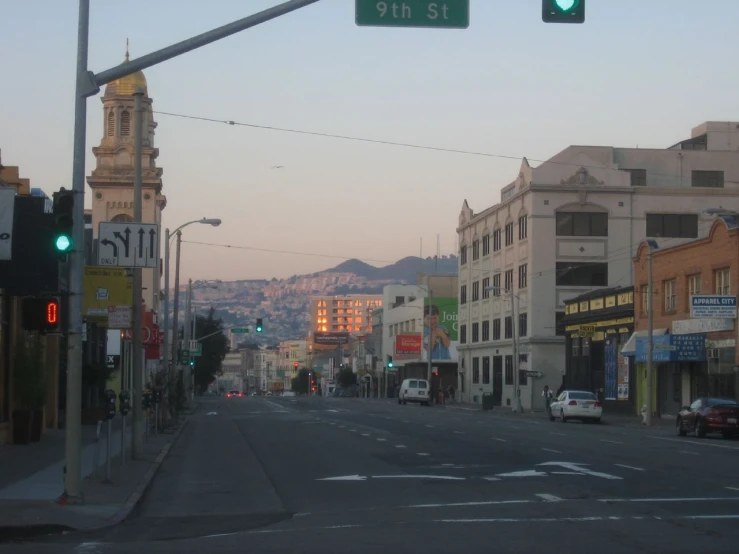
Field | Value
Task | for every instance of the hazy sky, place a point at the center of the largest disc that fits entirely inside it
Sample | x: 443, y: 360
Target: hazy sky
x: 637, y: 72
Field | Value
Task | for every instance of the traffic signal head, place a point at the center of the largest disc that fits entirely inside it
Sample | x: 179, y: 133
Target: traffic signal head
x: 563, y: 11
x: 192, y: 362
x: 63, y: 211
x: 40, y: 314
x: 389, y: 361
x: 259, y: 325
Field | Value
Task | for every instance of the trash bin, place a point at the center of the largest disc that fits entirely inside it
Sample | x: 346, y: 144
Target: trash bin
x: 487, y: 401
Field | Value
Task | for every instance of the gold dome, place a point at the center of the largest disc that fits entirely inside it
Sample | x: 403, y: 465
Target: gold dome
x: 126, y: 86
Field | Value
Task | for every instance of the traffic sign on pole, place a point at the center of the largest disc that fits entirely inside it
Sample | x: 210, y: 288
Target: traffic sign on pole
x: 128, y: 244
x: 434, y: 14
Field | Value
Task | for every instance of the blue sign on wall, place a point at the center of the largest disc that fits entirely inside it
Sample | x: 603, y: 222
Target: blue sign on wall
x: 673, y: 348
x: 712, y: 306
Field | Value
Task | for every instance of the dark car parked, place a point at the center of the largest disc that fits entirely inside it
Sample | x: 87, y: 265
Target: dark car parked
x: 709, y: 415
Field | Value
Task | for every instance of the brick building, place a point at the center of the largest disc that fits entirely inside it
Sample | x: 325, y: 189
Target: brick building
x: 707, y: 266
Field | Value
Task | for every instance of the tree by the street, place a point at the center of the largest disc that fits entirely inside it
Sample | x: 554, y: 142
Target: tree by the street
x: 346, y: 377
x: 215, y: 347
x: 300, y: 384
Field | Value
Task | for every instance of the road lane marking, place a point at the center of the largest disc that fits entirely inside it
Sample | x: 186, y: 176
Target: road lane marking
x: 344, y: 478
x: 630, y: 467
x: 612, y: 442
x: 399, y: 446
x: 702, y: 443
x: 688, y: 452
x: 555, y: 433
x: 422, y: 454
x: 439, y: 477
x: 365, y: 434
x: 463, y: 504
x: 688, y: 499
x: 458, y: 433
x: 582, y: 519
x: 549, y: 497
x: 733, y: 489
x: 500, y: 440
x: 430, y: 426
x: 382, y: 440
x: 578, y: 467
x: 552, y: 450
x: 525, y: 473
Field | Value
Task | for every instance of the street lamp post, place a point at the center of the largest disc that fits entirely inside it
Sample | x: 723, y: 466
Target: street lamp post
x: 189, y: 327
x: 169, y: 351
x: 652, y: 245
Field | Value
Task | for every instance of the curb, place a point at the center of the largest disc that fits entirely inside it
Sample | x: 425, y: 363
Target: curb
x: 133, y: 500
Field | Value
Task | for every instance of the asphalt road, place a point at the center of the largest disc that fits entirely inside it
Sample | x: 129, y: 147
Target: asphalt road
x: 347, y: 475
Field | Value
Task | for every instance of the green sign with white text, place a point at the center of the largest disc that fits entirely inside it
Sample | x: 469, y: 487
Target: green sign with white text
x: 435, y: 14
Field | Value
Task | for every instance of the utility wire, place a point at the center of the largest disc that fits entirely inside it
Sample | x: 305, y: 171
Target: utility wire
x: 234, y: 123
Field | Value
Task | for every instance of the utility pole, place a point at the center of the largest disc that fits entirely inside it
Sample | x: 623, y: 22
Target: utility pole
x: 166, y: 342
x: 137, y: 413
x: 175, y: 315
x: 430, y: 295
x: 650, y: 337
x: 73, y: 412
x: 188, y: 336
x: 88, y: 84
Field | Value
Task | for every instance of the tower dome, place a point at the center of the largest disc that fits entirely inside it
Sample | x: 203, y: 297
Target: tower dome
x: 126, y: 86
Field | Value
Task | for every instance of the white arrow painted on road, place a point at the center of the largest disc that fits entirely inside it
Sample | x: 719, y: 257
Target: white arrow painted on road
x: 527, y: 473
x: 578, y: 468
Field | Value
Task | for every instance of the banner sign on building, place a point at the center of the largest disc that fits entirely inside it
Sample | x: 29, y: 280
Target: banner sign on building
x: 408, y: 346
x: 7, y: 206
x: 440, y: 319
x: 104, y: 288
x: 673, y: 348
x: 330, y: 339
x: 713, y: 306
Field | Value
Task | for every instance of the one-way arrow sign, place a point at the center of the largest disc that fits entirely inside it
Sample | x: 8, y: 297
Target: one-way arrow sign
x: 124, y: 244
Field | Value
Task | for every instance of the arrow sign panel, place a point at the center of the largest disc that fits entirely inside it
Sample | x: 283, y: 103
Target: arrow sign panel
x: 127, y: 244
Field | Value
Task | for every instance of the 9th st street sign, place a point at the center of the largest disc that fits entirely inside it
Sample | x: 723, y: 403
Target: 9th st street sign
x: 438, y: 14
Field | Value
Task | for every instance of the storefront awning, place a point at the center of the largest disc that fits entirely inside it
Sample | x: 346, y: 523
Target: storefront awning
x: 629, y: 349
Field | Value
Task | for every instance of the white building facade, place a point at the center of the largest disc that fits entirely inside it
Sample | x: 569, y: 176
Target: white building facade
x: 402, y: 315
x: 568, y: 226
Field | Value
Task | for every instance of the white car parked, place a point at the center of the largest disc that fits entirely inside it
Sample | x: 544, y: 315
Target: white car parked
x: 576, y: 404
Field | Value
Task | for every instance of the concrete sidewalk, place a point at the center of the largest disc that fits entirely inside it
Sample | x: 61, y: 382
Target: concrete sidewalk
x: 30, y: 506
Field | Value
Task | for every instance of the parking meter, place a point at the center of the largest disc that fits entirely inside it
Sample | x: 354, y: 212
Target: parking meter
x: 124, y: 404
x: 110, y: 402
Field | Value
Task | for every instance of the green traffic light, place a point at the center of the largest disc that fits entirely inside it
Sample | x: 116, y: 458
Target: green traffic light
x: 63, y: 243
x: 259, y: 329
x: 565, y: 5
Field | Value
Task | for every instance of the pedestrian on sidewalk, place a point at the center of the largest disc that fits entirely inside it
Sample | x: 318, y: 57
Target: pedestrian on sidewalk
x: 548, y: 395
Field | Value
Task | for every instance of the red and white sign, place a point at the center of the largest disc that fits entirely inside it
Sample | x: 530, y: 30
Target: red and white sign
x: 408, y: 346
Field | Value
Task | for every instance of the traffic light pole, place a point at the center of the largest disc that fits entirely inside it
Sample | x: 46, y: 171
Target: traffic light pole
x: 137, y: 412
x: 88, y: 84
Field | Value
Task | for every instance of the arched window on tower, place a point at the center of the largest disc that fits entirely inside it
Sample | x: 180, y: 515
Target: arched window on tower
x: 125, y: 124
x: 111, y: 123
x: 123, y: 218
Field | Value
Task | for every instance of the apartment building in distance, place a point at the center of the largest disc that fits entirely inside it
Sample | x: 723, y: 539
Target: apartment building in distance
x: 351, y: 313
x: 568, y: 226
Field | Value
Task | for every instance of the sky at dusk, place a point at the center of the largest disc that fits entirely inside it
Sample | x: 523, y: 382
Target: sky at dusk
x: 636, y: 73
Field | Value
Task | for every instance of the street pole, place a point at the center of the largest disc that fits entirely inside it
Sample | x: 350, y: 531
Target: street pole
x: 73, y: 412
x: 166, y: 303
x: 188, y: 336
x: 516, y: 382
x: 175, y: 322
x: 650, y: 338
x: 431, y: 342
x: 137, y: 413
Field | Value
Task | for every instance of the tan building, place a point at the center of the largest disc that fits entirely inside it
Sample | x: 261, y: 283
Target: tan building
x: 293, y: 355
x: 351, y: 313
x: 112, y: 179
